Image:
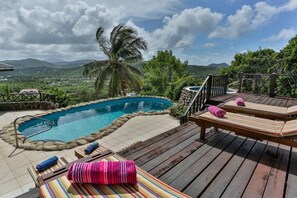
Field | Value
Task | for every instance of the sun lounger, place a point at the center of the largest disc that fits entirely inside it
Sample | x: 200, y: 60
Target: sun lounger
x: 261, y: 110
x: 35, y: 174
x: 258, y: 128
x: 80, y: 152
x: 147, y: 186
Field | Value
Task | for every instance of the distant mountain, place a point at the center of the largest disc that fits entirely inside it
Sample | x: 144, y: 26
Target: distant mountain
x: 202, y: 71
x: 68, y: 64
x: 33, y: 63
x: 29, y: 62
x: 218, y: 65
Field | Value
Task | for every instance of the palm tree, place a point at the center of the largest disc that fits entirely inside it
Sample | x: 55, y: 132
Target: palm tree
x: 122, y: 49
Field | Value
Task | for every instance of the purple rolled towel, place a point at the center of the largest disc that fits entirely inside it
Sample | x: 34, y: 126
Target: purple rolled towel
x: 216, y: 111
x: 239, y: 101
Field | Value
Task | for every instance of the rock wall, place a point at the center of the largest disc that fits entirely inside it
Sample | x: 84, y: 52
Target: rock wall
x: 14, y: 106
x: 186, y: 96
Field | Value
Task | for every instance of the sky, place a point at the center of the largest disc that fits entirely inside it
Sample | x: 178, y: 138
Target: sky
x: 199, y: 31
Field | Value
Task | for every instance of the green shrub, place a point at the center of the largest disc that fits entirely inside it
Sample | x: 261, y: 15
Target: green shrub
x: 177, y: 110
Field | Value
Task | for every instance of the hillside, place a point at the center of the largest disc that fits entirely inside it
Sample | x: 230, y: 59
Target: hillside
x: 68, y: 64
x: 29, y: 62
x: 32, y: 63
x: 37, y: 68
x: 218, y: 65
x: 202, y: 71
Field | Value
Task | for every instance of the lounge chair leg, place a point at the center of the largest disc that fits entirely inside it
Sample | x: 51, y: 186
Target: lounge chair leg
x: 202, y: 133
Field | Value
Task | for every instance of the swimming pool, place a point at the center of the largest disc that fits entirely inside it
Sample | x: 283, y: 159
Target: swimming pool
x: 80, y: 121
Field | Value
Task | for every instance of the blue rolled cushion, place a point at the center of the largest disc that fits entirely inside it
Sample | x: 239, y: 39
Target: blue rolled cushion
x: 91, y: 147
x: 47, y: 164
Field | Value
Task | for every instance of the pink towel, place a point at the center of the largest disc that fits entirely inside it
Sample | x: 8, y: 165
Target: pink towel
x: 239, y: 101
x: 119, y: 172
x: 216, y: 111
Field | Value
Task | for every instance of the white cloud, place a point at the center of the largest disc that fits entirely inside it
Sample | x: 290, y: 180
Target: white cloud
x: 209, y: 45
x: 248, y: 18
x: 237, y: 24
x: 67, y: 28
x: 180, y: 30
x: 289, y: 6
x: 284, y: 34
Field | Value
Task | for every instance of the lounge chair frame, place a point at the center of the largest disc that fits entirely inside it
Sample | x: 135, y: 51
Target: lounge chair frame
x: 204, y: 124
x: 258, y: 113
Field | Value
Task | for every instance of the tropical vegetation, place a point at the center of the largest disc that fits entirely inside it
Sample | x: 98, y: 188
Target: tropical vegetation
x: 166, y: 75
x: 122, y: 50
x: 265, y: 61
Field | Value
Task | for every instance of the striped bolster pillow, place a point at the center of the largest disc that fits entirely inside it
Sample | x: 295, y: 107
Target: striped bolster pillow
x: 119, y: 172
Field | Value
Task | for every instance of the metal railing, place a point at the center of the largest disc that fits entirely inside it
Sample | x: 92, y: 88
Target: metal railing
x: 27, y: 97
x: 212, y: 86
x: 271, y: 84
x: 50, y: 124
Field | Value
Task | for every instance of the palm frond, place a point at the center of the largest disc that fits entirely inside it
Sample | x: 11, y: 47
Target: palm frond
x: 102, y: 78
x: 134, y: 70
x: 92, y: 68
x: 131, y: 77
x: 113, y: 35
x: 133, y: 59
x: 114, y: 83
x: 139, y: 43
x: 102, y: 41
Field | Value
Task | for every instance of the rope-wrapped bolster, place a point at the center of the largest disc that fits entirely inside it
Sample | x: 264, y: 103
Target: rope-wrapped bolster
x: 103, y: 172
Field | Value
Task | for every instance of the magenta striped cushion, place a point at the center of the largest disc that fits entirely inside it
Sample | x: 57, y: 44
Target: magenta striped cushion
x: 103, y: 172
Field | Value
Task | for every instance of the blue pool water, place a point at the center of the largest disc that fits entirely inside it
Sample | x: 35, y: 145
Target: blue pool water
x: 81, y: 121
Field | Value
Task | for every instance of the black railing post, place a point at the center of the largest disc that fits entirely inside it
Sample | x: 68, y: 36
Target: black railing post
x: 240, y: 82
x: 40, y: 97
x: 225, y: 84
x: 272, y: 84
x: 208, y: 87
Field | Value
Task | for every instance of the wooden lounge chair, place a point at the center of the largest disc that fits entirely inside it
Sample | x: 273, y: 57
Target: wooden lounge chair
x: 147, y: 186
x: 35, y: 174
x: 80, y: 152
x: 261, y: 110
x: 281, y: 132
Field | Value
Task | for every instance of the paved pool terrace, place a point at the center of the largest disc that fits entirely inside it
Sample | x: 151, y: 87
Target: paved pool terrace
x: 14, y: 177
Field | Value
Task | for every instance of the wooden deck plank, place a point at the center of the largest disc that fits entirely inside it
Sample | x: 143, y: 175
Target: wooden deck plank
x: 158, y: 159
x: 191, y: 173
x: 175, y: 159
x: 277, y: 178
x: 278, y: 102
x: 217, y: 187
x: 289, y: 103
x: 236, y: 187
x: 270, y: 99
x: 181, y: 167
x: 283, y: 102
x: 221, y: 166
x: 135, y: 148
x: 291, y: 190
x: 196, y: 188
x: 258, y: 181
x: 158, y: 151
x: 156, y: 143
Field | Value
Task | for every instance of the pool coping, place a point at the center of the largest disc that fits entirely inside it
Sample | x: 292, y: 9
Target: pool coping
x: 8, y: 133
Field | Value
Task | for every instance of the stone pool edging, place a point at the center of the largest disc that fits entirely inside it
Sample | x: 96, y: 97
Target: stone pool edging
x: 8, y: 133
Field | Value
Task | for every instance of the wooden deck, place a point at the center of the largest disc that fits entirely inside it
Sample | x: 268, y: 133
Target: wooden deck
x: 224, y: 165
